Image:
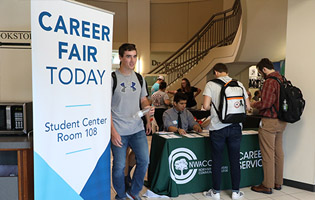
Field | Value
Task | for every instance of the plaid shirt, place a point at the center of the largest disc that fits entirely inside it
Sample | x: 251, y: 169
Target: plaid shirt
x: 269, y: 96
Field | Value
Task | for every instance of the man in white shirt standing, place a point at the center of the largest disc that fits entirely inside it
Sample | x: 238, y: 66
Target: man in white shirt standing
x: 221, y: 134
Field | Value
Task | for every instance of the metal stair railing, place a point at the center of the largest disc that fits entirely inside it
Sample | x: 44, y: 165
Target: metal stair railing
x: 220, y: 30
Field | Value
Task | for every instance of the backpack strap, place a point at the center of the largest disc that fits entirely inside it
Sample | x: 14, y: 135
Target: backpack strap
x: 140, y: 78
x: 222, y: 83
x: 114, y: 82
x: 279, y: 81
x: 218, y: 81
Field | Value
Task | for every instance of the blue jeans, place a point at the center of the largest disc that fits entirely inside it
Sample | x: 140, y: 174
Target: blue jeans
x: 231, y: 136
x: 139, y: 144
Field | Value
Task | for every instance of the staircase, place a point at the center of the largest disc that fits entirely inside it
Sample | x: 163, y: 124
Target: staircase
x: 218, y: 38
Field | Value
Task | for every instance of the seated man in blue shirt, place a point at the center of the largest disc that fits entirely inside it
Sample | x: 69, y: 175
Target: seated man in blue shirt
x: 179, y: 119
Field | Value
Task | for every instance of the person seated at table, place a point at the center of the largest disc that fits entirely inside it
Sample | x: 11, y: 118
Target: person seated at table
x: 160, y: 99
x: 178, y: 118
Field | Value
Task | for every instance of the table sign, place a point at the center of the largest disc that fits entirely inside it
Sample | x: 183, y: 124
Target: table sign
x: 183, y: 165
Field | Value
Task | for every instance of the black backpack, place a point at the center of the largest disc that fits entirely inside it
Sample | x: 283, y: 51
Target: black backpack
x: 291, y: 103
x: 232, y: 107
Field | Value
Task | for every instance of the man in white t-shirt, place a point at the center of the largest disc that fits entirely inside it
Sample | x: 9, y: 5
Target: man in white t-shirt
x: 221, y: 134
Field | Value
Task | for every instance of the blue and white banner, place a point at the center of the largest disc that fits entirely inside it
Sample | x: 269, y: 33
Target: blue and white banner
x: 71, y: 59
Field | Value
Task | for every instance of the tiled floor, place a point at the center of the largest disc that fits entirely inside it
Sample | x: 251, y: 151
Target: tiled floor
x: 287, y: 193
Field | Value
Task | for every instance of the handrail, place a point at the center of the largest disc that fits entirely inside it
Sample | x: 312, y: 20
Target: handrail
x: 220, y: 30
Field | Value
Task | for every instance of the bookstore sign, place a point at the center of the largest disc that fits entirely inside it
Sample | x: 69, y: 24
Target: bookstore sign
x: 15, y: 39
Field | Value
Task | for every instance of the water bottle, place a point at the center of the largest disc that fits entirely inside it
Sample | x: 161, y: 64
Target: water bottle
x: 285, y: 105
x: 141, y: 113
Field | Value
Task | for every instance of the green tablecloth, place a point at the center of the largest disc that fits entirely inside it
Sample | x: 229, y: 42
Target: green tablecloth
x: 183, y: 165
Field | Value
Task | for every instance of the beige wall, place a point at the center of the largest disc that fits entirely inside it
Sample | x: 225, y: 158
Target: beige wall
x: 169, y: 23
x: 178, y: 22
x: 240, y: 72
x: 15, y: 14
x: 264, y: 33
x: 299, y: 138
x: 173, y: 24
x: 15, y: 64
x: 227, y: 4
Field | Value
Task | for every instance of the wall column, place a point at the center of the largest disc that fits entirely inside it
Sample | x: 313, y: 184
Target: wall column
x: 139, y: 31
x: 299, y: 139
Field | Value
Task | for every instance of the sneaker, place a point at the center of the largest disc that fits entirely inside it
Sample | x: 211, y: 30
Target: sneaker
x: 211, y: 194
x: 132, y: 197
x: 237, y: 195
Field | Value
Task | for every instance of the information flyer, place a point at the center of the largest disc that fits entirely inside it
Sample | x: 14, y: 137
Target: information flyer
x: 71, y: 67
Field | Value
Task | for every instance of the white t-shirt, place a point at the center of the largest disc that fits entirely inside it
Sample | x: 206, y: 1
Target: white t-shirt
x: 213, y: 90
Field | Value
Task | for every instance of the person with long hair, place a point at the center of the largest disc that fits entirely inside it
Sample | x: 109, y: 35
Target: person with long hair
x: 191, y: 92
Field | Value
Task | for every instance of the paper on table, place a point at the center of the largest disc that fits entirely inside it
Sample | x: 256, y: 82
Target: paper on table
x: 189, y: 135
x: 174, y: 136
x: 205, y: 134
x: 170, y: 136
x: 166, y: 136
x: 197, y: 135
x: 163, y: 132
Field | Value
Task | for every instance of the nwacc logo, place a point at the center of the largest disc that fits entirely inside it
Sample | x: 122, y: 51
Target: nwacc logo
x: 178, y: 165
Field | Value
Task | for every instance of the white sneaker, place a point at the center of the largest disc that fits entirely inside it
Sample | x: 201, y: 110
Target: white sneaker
x: 212, y: 195
x: 237, y: 195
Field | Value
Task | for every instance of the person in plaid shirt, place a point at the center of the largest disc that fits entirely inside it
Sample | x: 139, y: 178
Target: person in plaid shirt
x: 271, y: 130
